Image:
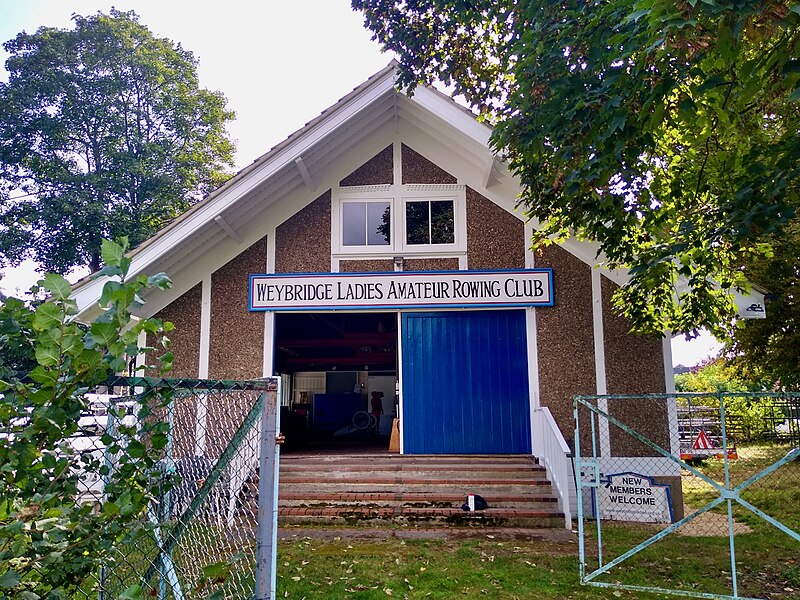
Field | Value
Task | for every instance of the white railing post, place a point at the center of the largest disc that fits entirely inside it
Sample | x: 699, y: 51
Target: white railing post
x: 550, y: 447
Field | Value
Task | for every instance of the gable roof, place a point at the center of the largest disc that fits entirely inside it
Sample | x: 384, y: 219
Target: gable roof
x: 301, y: 160
x: 310, y: 160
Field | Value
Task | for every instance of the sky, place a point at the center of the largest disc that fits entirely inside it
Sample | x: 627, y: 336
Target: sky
x: 278, y: 62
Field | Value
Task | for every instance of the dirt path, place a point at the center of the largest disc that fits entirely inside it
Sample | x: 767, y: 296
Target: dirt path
x: 710, y: 524
x: 556, y: 535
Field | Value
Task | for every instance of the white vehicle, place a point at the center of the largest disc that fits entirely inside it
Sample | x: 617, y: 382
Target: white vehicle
x: 86, y: 447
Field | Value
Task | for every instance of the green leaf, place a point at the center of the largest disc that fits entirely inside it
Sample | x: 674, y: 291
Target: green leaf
x: 9, y: 579
x: 111, y: 290
x: 103, y: 334
x: 217, y: 571
x: 58, y: 287
x: 159, y: 280
x: 159, y: 441
x: 72, y: 344
x: 44, y: 376
x: 635, y: 16
x: 47, y: 356
x: 110, y: 508
x: 136, y: 449
x: 166, y: 361
x: 48, y: 315
x: 89, y: 360
x: 112, y: 253
x: 134, y: 592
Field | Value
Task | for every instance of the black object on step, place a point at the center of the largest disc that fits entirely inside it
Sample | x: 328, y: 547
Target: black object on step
x: 474, y: 502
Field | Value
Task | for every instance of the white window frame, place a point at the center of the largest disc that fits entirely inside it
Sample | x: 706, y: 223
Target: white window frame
x: 397, y: 196
x: 369, y: 247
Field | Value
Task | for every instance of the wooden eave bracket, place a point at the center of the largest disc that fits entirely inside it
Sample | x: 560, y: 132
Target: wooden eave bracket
x: 489, y: 171
x: 301, y: 167
x: 223, y: 224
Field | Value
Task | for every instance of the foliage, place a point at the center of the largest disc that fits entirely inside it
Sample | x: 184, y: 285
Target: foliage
x: 104, y: 132
x: 667, y: 132
x: 715, y: 375
x: 750, y: 415
x: 771, y: 346
x: 49, y: 540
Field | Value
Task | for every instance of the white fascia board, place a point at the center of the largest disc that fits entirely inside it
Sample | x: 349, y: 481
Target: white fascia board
x: 506, y: 187
x: 205, y: 213
x: 448, y: 111
x: 449, y: 151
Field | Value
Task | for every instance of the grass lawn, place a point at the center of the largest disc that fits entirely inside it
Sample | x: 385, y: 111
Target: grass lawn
x: 768, y: 561
x: 441, y: 569
x: 509, y: 569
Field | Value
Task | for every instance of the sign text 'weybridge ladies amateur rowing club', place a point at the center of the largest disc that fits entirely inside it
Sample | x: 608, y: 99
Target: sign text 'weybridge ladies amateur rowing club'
x: 407, y: 289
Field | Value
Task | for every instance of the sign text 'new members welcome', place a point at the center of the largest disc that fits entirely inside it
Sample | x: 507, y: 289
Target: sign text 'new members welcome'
x: 408, y: 289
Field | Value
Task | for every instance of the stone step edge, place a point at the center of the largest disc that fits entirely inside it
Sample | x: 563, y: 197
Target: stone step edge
x: 412, y: 481
x: 406, y: 497
x: 390, y: 465
x: 409, y: 476
x: 415, y: 468
x: 300, y: 455
x: 400, y: 511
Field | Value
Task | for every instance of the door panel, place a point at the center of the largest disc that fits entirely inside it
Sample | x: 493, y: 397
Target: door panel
x: 465, y: 383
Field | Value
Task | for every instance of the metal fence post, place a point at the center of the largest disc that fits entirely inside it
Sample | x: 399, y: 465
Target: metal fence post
x: 267, y: 536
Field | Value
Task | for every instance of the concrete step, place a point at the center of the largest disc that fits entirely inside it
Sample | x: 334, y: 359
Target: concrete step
x: 394, y: 464
x: 413, y: 499
x: 491, y: 517
x: 405, y: 457
x: 389, y: 465
x: 514, y: 477
x: 380, y: 488
x: 460, y: 486
x: 416, y: 469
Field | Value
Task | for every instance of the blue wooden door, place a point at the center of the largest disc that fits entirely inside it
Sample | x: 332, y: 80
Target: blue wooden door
x: 465, y: 383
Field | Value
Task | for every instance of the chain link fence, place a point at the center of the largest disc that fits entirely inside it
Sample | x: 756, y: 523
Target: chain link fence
x: 690, y: 494
x: 198, y: 538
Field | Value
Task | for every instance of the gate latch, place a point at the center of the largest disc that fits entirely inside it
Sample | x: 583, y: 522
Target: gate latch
x: 589, y: 473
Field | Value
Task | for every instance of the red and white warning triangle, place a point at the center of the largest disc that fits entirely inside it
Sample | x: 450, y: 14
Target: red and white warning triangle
x: 702, y: 442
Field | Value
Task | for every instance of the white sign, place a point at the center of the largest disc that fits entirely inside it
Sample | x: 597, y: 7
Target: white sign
x: 750, y: 306
x: 634, y: 497
x: 407, y: 289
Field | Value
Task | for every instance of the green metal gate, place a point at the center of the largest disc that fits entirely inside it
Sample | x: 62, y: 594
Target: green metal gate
x: 689, y: 494
x: 210, y: 531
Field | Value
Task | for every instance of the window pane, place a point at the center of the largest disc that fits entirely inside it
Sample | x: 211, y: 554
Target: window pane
x: 354, y: 223
x: 442, y: 222
x: 417, y: 231
x: 379, y: 224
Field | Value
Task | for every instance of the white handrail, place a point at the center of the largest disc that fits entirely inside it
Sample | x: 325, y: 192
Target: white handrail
x: 550, y: 447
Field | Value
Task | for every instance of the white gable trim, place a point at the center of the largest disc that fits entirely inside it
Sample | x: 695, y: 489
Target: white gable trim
x: 243, y: 184
x: 373, y: 115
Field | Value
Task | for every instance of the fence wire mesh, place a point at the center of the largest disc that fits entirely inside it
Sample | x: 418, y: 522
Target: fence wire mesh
x: 198, y: 536
x: 690, y: 494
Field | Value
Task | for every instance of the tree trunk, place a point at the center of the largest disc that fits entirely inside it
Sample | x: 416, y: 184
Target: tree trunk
x: 94, y: 262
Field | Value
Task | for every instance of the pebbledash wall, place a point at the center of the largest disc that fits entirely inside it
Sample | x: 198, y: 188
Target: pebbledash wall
x: 581, y: 346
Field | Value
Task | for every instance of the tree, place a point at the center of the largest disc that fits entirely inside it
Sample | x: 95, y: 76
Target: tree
x: 104, y: 132
x: 715, y: 375
x: 771, y: 347
x: 666, y: 131
x: 50, y: 541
